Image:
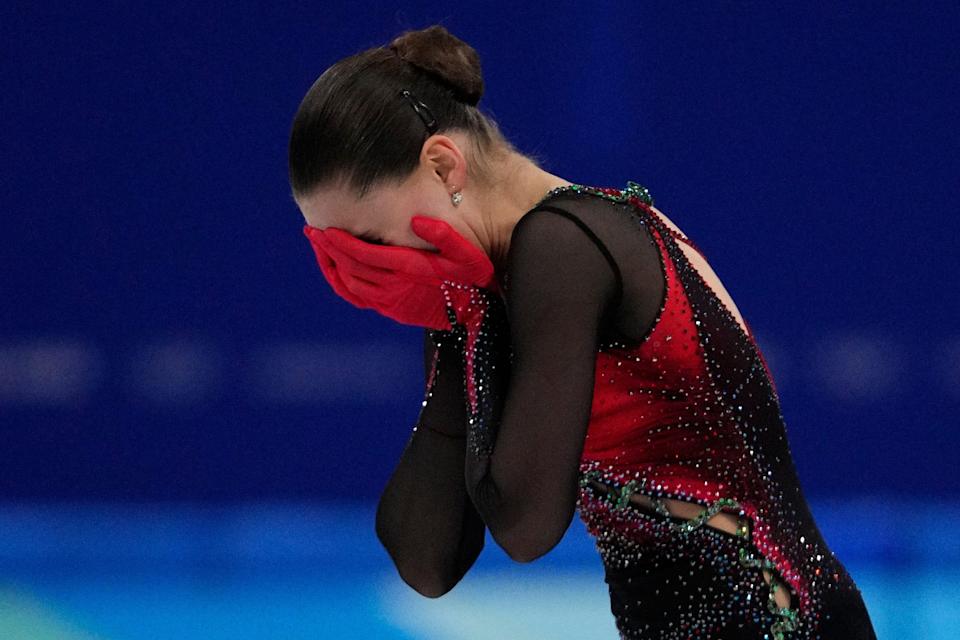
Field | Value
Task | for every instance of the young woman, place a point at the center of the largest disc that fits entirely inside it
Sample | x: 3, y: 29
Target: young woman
x: 581, y: 356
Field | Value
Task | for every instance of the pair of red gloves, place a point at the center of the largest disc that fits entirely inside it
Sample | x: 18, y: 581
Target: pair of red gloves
x: 443, y: 291
x: 412, y: 286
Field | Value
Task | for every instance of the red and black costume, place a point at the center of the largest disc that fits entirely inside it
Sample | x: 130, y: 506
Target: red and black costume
x: 624, y: 368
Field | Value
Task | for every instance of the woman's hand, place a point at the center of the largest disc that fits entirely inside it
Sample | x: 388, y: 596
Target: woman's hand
x: 453, y: 291
x: 412, y: 286
x: 329, y: 268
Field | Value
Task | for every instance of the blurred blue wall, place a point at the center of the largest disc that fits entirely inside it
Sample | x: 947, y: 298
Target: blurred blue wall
x: 165, y: 333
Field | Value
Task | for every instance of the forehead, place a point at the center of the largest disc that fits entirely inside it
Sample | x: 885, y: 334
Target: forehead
x: 336, y: 207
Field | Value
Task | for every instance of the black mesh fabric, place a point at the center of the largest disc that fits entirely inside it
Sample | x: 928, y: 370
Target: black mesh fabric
x: 425, y: 518
x: 578, y: 274
x: 572, y: 264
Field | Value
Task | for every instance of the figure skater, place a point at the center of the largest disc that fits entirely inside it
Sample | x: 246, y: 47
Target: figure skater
x: 580, y: 356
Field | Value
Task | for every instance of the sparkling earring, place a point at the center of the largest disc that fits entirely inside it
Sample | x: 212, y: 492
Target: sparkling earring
x: 457, y: 197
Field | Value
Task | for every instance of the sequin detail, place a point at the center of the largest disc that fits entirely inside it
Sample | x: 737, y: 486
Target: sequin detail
x: 691, y: 413
x: 746, y: 555
x: 481, y: 337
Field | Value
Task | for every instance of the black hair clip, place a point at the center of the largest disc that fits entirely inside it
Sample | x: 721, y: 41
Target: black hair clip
x: 421, y: 110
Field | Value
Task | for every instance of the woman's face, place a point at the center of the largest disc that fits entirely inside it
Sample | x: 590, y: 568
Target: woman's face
x: 383, y: 215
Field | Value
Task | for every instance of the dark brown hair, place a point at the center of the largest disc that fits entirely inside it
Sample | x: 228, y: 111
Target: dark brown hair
x: 355, y: 128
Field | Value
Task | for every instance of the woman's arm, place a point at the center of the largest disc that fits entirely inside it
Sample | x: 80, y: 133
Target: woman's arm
x: 425, y: 519
x: 562, y: 283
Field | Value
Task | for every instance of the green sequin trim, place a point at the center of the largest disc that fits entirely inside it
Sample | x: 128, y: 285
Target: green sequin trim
x: 788, y: 621
x: 639, y: 191
x: 706, y: 514
x: 788, y: 617
x: 622, y: 501
x: 660, y: 506
x: 632, y: 190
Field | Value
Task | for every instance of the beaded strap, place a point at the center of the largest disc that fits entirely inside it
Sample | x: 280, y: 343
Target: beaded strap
x: 622, y: 500
x: 706, y: 514
x: 632, y: 190
x: 788, y: 620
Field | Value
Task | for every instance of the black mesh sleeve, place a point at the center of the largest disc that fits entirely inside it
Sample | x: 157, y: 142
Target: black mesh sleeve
x: 425, y: 520
x: 562, y: 282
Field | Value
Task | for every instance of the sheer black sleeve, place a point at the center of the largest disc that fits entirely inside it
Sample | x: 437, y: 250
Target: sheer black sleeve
x: 425, y: 519
x: 562, y: 282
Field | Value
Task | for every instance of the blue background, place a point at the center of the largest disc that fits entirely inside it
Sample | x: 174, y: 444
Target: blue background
x: 171, y: 355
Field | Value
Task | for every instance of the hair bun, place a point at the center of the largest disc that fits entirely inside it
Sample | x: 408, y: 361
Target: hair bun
x: 445, y: 57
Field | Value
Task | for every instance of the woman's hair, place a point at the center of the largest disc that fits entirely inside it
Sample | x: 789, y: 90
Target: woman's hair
x: 355, y: 128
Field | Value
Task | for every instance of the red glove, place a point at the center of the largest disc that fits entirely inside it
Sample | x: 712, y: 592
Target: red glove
x: 329, y: 269
x: 412, y: 286
x: 455, y: 288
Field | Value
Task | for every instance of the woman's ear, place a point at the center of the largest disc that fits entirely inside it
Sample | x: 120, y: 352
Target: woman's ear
x: 442, y: 155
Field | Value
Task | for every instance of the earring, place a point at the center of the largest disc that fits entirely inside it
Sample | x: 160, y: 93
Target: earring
x: 457, y: 198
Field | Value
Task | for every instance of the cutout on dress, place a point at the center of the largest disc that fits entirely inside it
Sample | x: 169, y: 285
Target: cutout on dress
x: 782, y: 597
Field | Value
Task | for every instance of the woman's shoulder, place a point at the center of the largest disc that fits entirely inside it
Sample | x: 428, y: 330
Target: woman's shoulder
x: 570, y: 246
x: 593, y: 244
x: 567, y: 219
x: 559, y: 245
